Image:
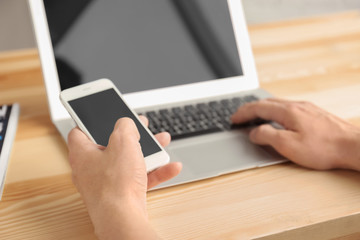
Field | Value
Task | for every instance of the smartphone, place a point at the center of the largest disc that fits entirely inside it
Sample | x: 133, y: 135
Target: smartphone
x: 96, y: 106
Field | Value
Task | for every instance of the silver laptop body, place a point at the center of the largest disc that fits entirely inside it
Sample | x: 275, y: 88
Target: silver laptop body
x: 203, y: 55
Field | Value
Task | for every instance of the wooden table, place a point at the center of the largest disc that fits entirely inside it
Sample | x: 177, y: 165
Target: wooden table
x: 316, y: 59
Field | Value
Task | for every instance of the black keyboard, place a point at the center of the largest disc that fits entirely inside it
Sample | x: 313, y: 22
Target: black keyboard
x: 9, y: 115
x: 198, y: 119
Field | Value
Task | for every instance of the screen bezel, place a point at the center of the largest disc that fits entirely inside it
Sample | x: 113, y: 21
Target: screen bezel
x: 152, y: 161
x: 160, y: 96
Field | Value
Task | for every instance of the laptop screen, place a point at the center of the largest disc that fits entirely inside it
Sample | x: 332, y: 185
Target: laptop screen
x: 142, y: 44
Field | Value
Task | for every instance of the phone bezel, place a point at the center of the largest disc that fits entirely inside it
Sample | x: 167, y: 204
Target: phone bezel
x: 152, y: 161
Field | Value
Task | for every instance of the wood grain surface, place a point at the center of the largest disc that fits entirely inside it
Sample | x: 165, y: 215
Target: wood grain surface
x: 314, y: 59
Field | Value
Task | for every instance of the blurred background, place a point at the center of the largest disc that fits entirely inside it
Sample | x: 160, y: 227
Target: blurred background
x: 16, y: 30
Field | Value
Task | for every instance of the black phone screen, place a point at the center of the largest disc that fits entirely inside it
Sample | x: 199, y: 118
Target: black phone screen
x: 99, y: 113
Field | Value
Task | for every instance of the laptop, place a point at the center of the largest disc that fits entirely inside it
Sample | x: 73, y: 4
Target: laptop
x: 185, y: 64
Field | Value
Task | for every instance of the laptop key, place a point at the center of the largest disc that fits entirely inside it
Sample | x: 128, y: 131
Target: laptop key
x: 250, y: 98
x: 212, y: 129
x: 198, y: 119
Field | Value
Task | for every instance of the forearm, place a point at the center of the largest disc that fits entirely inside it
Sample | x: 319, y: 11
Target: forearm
x: 122, y: 220
x: 355, y: 164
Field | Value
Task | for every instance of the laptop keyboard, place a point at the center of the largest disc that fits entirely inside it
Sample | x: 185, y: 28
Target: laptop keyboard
x: 197, y: 119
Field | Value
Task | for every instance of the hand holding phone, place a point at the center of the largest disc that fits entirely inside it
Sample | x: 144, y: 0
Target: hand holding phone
x: 96, y: 106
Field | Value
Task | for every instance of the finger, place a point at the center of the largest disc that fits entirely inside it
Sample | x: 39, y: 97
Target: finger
x: 78, y: 143
x: 279, y: 100
x: 163, y: 138
x: 78, y: 140
x: 144, y: 120
x: 300, y: 105
x: 264, y: 109
x: 281, y: 140
x: 292, y: 102
x: 126, y: 127
x: 163, y: 174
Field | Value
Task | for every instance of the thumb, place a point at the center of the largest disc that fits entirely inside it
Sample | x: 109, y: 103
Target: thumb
x: 280, y: 139
x: 125, y: 131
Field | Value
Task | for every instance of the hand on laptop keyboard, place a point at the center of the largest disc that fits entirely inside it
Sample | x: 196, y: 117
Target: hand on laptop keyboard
x: 311, y: 137
x: 199, y: 119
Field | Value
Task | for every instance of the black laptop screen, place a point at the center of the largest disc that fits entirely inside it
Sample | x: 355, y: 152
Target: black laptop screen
x: 142, y: 44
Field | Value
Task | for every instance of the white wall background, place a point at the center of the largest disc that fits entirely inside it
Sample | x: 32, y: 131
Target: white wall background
x: 15, y: 25
x: 16, y: 30
x: 258, y: 11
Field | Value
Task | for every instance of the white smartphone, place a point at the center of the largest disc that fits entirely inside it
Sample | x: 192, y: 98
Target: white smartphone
x: 96, y: 106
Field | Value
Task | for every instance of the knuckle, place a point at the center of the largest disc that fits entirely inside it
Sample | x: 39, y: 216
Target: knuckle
x: 311, y: 105
x: 293, y: 108
x: 303, y: 105
x: 306, y: 103
x: 261, y: 130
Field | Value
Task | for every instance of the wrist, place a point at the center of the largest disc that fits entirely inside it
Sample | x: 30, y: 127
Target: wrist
x: 115, y: 203
x: 353, y: 157
x: 357, y: 152
x: 121, y: 219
